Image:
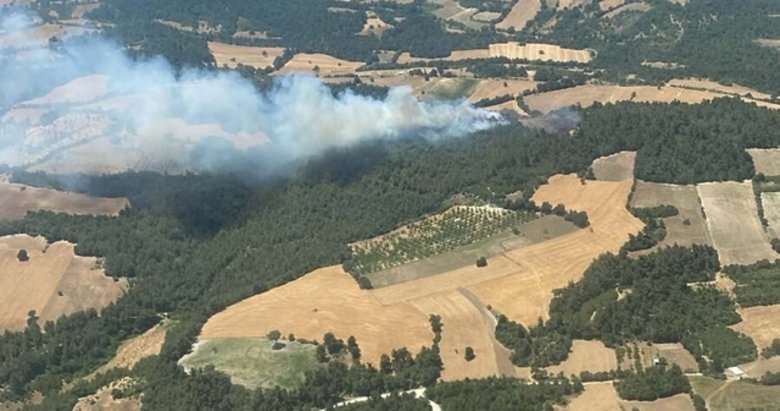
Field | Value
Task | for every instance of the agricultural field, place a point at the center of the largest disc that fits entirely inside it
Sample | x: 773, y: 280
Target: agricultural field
x: 452, y: 88
x: 321, y: 64
x: 539, y: 52
x: 602, y: 396
x: 766, y: 160
x: 761, y: 366
x: 522, y: 12
x: 591, y: 356
x: 736, y: 395
x: 491, y: 88
x: 770, y: 202
x: 709, y: 85
x: 605, y: 5
x: 53, y: 282
x: 137, y: 348
x: 732, y: 219
x: 252, y: 362
x: 686, y: 200
x: 615, y: 167
x: 456, y: 227
x: 673, y: 353
x: 17, y: 199
x: 231, y: 55
x: 760, y: 323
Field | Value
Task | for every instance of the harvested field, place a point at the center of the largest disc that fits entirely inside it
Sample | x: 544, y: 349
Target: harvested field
x: 53, y: 282
x: 766, y: 160
x: 733, y: 223
x: 708, y: 85
x: 374, y: 25
x: 522, y: 12
x: 326, y: 65
x: 327, y: 299
x: 761, y: 366
x: 231, y: 55
x: 253, y: 363
x: 491, y: 88
x: 679, y: 402
x: 17, y: 199
x: 538, y: 51
x: 761, y: 323
x: 137, y: 348
x: 456, y: 55
x: 38, y: 36
x: 617, y: 167
x: 635, y: 7
x: 596, y: 397
x: 591, y: 356
x: 770, y: 201
x: 509, y: 106
x: 686, y: 199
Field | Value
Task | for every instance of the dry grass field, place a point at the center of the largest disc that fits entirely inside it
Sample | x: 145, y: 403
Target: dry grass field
x: 490, y: 88
x: 17, y: 199
x: 605, y: 5
x: 686, y: 199
x: 231, y: 55
x: 518, y: 283
x: 603, y: 397
x: 327, y: 299
x: 522, y: 12
x: 616, y: 167
x: 80, y: 90
x: 456, y: 55
x: 771, y: 203
x: 757, y: 369
x: 732, y: 220
x: 53, y: 282
x: 708, y: 85
x: 591, y: 356
x: 761, y: 323
x: 538, y: 51
x: 137, y: 348
x: 736, y: 395
x: 766, y: 160
x: 326, y: 65
x: 636, y: 7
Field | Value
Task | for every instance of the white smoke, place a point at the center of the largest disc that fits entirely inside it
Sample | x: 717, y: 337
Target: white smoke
x: 146, y: 109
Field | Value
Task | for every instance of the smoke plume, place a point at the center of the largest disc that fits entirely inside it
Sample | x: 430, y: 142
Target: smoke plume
x: 86, y: 106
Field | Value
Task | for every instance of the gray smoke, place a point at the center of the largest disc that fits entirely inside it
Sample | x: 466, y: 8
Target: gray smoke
x: 135, y: 114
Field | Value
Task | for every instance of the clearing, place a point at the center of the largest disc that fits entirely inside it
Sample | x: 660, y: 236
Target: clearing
x: 770, y: 201
x: 252, y: 362
x: 761, y: 323
x: 104, y: 400
x: 53, y: 282
x: 327, y: 299
x: 766, y: 160
x: 231, y: 55
x: 491, y: 88
x: 709, y: 85
x: 522, y: 12
x: 17, y: 199
x: 686, y: 199
x: 539, y: 51
x: 736, y: 395
x: 137, y: 348
x: 602, y: 396
x: 732, y: 219
x: 591, y: 356
x: 673, y: 353
x: 616, y: 167
x: 319, y: 63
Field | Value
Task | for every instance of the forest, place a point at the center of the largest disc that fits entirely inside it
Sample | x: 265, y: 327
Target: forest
x: 195, y: 244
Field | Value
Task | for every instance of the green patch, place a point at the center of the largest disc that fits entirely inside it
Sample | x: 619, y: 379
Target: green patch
x: 757, y: 284
x: 252, y: 362
x: 454, y: 89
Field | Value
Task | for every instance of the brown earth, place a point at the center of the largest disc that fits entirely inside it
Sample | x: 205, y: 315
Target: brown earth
x: 686, y: 199
x: 490, y: 88
x: 52, y: 270
x: 522, y: 12
x: 766, y: 160
x: 591, y: 356
x: 733, y: 223
x: 603, y: 397
x: 231, y: 55
x: 761, y: 323
x: 17, y: 199
x: 616, y: 167
x: 539, y: 51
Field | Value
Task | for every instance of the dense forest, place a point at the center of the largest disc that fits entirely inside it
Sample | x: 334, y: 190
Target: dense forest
x: 194, y: 244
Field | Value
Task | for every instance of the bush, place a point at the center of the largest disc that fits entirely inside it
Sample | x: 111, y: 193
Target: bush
x: 481, y: 262
x: 278, y: 346
x: 22, y: 255
x: 470, y: 354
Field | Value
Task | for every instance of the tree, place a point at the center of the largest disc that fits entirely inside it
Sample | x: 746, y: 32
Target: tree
x: 481, y: 262
x: 470, y: 354
x: 274, y: 335
x: 353, y: 348
x: 22, y: 255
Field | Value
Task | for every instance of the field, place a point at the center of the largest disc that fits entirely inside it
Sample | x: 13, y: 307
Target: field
x: 766, y: 160
x: 591, y: 356
x: 770, y: 202
x: 252, y: 363
x: 708, y: 85
x: 617, y: 167
x: 324, y: 64
x: 16, y: 200
x: 522, y: 12
x: 637, y: 7
x: 761, y: 323
x: 736, y: 395
x: 732, y: 219
x: 605, y: 5
x: 231, y: 56
x: 456, y: 55
x: 686, y: 199
x: 761, y: 366
x: 518, y: 283
x: 604, y: 397
x: 53, y: 282
x: 453, y: 88
x: 674, y: 353
x: 327, y: 299
x: 538, y: 51
x: 490, y: 88
x: 137, y: 348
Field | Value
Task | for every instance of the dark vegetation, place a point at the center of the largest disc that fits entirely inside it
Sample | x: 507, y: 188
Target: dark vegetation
x: 757, y: 284
x: 195, y: 244
x: 653, y: 383
x: 502, y: 394
x: 654, y: 230
x: 772, y: 350
x: 539, y: 346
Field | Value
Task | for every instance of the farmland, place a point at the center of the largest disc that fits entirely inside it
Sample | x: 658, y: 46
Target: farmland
x: 766, y: 160
x: 760, y: 323
x: 603, y: 397
x: 252, y: 362
x: 17, y: 199
x: 735, y: 395
x: 689, y: 226
x: 592, y: 356
x: 522, y: 12
x: 732, y: 219
x: 137, y: 348
x: 231, y: 55
x: 322, y: 64
x: 616, y: 167
x: 53, y: 282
